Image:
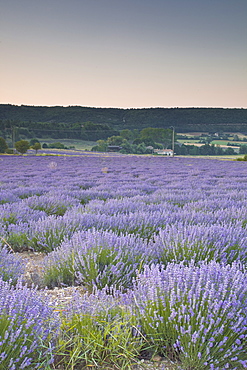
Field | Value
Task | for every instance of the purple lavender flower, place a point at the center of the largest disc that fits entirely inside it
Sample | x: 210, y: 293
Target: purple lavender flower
x: 28, y: 324
x: 194, y: 310
x: 94, y: 258
x: 11, y: 266
x: 181, y: 242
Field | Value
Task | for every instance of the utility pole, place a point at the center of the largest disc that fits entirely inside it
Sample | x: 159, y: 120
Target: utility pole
x: 173, y: 140
x: 13, y: 137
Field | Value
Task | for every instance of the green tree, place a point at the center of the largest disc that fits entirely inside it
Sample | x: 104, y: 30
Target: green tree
x: 3, y: 145
x: 235, y: 138
x: 33, y: 141
x: 193, y: 150
x: 229, y: 151
x: 93, y: 131
x: 135, y: 133
x: 22, y: 146
x: 126, y: 134
x: 100, y: 147
x: 36, y: 146
x: 127, y: 147
x: 142, y: 149
x: 243, y: 149
x: 219, y: 150
x: 158, y: 135
x: 243, y: 159
x: 206, y: 150
x: 56, y: 145
x: 115, y: 140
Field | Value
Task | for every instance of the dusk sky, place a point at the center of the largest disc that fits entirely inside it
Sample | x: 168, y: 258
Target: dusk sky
x: 124, y: 53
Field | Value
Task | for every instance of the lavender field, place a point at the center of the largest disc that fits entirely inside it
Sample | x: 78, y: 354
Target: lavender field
x: 159, y: 244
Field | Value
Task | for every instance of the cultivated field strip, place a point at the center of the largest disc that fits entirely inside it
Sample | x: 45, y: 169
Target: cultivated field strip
x: 155, y: 248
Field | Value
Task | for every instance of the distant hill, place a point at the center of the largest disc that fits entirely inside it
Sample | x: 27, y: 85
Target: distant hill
x: 72, y: 117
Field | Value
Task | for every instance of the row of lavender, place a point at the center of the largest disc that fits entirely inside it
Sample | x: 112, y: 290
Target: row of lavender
x: 168, y: 233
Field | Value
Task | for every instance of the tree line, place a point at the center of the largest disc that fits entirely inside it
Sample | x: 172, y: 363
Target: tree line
x: 129, y: 142
x: 22, y: 146
x: 68, y: 121
x: 88, y: 131
x: 148, y: 139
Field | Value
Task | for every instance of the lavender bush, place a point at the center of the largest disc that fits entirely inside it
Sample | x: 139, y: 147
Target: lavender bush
x: 94, y: 258
x: 11, y: 267
x: 125, y: 211
x: 97, y: 331
x: 27, y: 328
x: 18, y: 212
x: 221, y: 243
x: 135, y: 195
x: 51, y: 203
x: 195, y: 314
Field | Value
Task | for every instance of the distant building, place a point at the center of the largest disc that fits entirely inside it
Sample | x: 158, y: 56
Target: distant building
x: 167, y: 152
x: 114, y: 148
x: 151, y: 148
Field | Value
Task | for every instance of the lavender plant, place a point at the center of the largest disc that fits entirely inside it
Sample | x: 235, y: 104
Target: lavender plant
x: 14, y: 213
x: 94, y: 258
x: 106, y: 259
x: 195, y: 314
x: 11, y: 267
x: 98, y: 332
x: 51, y: 203
x: 47, y: 234
x: 17, y: 236
x: 59, y: 268
x: 180, y: 242
x: 28, y: 328
x: 183, y: 209
x: 98, y: 341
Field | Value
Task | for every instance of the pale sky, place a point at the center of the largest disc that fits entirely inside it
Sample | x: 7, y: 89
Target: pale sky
x: 124, y: 53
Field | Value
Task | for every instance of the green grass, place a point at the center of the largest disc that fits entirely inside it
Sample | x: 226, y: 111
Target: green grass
x: 215, y: 142
x: 220, y: 157
x: 225, y: 142
x: 78, y: 144
x: 97, y: 341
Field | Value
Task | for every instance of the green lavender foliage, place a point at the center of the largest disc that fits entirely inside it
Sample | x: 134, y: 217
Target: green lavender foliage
x: 103, y: 340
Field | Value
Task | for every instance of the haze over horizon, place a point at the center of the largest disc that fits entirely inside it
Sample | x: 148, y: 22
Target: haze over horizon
x: 124, y: 54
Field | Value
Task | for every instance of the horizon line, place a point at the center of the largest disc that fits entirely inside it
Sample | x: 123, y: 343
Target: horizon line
x: 125, y: 108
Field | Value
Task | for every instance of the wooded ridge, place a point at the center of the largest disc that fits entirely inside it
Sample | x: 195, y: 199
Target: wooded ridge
x: 183, y: 119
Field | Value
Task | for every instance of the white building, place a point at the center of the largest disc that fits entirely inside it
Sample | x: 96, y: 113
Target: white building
x: 167, y: 152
